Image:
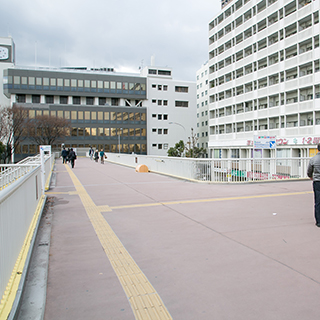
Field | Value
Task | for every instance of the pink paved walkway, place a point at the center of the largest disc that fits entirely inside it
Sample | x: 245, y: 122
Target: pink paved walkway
x: 219, y: 251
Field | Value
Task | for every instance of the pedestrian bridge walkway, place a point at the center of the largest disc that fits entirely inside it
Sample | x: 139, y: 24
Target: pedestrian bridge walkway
x: 128, y: 245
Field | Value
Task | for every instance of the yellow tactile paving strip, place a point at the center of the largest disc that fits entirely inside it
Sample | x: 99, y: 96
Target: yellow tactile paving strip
x: 144, y: 300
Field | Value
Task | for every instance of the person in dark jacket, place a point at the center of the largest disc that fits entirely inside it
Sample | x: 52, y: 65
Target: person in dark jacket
x: 64, y: 154
x: 96, y: 155
x: 313, y: 173
x: 72, y: 157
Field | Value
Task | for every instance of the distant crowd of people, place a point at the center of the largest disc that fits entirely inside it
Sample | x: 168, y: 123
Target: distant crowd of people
x: 95, y: 155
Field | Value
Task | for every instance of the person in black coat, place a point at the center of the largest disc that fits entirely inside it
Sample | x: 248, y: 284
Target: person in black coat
x: 72, y: 157
x: 64, y: 154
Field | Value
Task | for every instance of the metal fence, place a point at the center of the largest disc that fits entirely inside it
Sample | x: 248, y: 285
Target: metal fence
x: 219, y: 170
x: 20, y: 196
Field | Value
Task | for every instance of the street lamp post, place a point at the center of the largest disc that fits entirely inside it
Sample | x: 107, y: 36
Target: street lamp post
x: 179, y: 124
x: 119, y: 133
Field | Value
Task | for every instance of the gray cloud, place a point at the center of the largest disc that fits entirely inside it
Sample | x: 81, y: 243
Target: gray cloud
x: 120, y: 34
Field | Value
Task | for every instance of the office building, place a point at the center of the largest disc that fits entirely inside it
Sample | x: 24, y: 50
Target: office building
x: 264, y: 78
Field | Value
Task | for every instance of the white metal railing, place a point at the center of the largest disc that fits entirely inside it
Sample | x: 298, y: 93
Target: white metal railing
x: 219, y: 170
x: 20, y: 196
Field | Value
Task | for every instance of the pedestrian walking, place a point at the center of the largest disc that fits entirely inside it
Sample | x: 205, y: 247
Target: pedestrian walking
x: 102, y: 155
x: 64, y: 154
x: 91, y: 153
x: 313, y: 173
x: 72, y: 157
x: 96, y: 155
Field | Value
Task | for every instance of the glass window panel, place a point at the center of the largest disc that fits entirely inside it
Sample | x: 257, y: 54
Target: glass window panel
x: 119, y: 116
x: 87, y: 83
x: 16, y: 79
x: 67, y: 82
x: 125, y: 85
x: 100, y: 115
x: 119, y: 85
x: 131, y: 130
x: 74, y: 132
x: 137, y: 116
x: 39, y: 113
x: 24, y: 80
x: 106, y: 84
x: 137, y: 132
x: 53, y: 113
x: 38, y: 81
x: 143, y: 87
x: 112, y: 84
x: 87, y: 115
x: 106, y: 116
x: 143, y: 117
x: 53, y: 82
x: 80, y: 132
x: 60, y: 113
x: 113, y: 132
x: 60, y: 82
x: 125, y: 132
x: 87, y: 132
x: 80, y: 83
x: 131, y: 86
x: 106, y: 131
x: 131, y: 116
x: 73, y: 115
x: 73, y: 83
x: 93, y: 84
x: 93, y: 131
x: 143, y: 132
x: 32, y: 81
x: 67, y: 115
x: 113, y: 116
x: 100, y: 132
x: 125, y: 116
x: 45, y: 81
x: 93, y: 115
x: 45, y: 112
x: 80, y: 115
x: 31, y: 114
x: 100, y: 84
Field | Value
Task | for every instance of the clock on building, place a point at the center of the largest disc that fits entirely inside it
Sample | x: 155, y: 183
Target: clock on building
x: 4, y: 53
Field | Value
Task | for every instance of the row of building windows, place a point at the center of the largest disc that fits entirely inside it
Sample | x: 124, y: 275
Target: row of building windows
x: 302, y: 24
x: 160, y: 102
x: 286, y: 121
x: 160, y: 87
x: 107, y: 132
x: 160, y: 146
x: 76, y: 100
x: 203, y: 103
x: 287, y: 53
x: 160, y: 131
x: 289, y: 74
x: 160, y: 116
x: 306, y: 93
x: 92, y: 116
x: 288, y: 97
x: 124, y: 147
x: 262, y: 5
x: 59, y: 84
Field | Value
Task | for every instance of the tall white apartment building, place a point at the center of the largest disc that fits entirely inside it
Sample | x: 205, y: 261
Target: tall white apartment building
x: 264, y: 77
x: 203, y: 107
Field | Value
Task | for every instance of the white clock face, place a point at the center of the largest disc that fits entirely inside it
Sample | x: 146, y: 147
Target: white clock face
x: 4, y: 53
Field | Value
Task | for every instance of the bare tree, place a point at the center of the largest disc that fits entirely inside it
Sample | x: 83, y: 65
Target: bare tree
x: 14, y: 120
x: 47, y: 130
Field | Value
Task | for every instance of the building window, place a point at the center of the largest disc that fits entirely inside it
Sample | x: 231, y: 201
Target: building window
x: 165, y: 87
x: 181, y: 89
x: 21, y: 98
x: 63, y: 100
x: 159, y: 87
x: 165, y: 102
x: 159, y: 131
x: 49, y: 99
x: 154, y: 86
x: 159, y: 116
x: 89, y: 101
x: 159, y: 102
x: 76, y: 100
x: 183, y: 104
x: 102, y: 101
x: 154, y: 101
x: 152, y: 71
x: 159, y: 146
x: 164, y: 72
x: 165, y: 117
x: 165, y: 131
x: 35, y: 98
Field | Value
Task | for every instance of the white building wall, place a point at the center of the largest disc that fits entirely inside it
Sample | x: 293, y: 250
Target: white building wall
x: 264, y: 75
x: 166, y: 123
x: 203, y: 107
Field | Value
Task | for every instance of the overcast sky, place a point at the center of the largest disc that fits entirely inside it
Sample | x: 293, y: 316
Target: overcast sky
x: 120, y: 34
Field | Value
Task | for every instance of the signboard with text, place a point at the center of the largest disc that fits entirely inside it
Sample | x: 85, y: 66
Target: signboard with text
x: 264, y: 142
